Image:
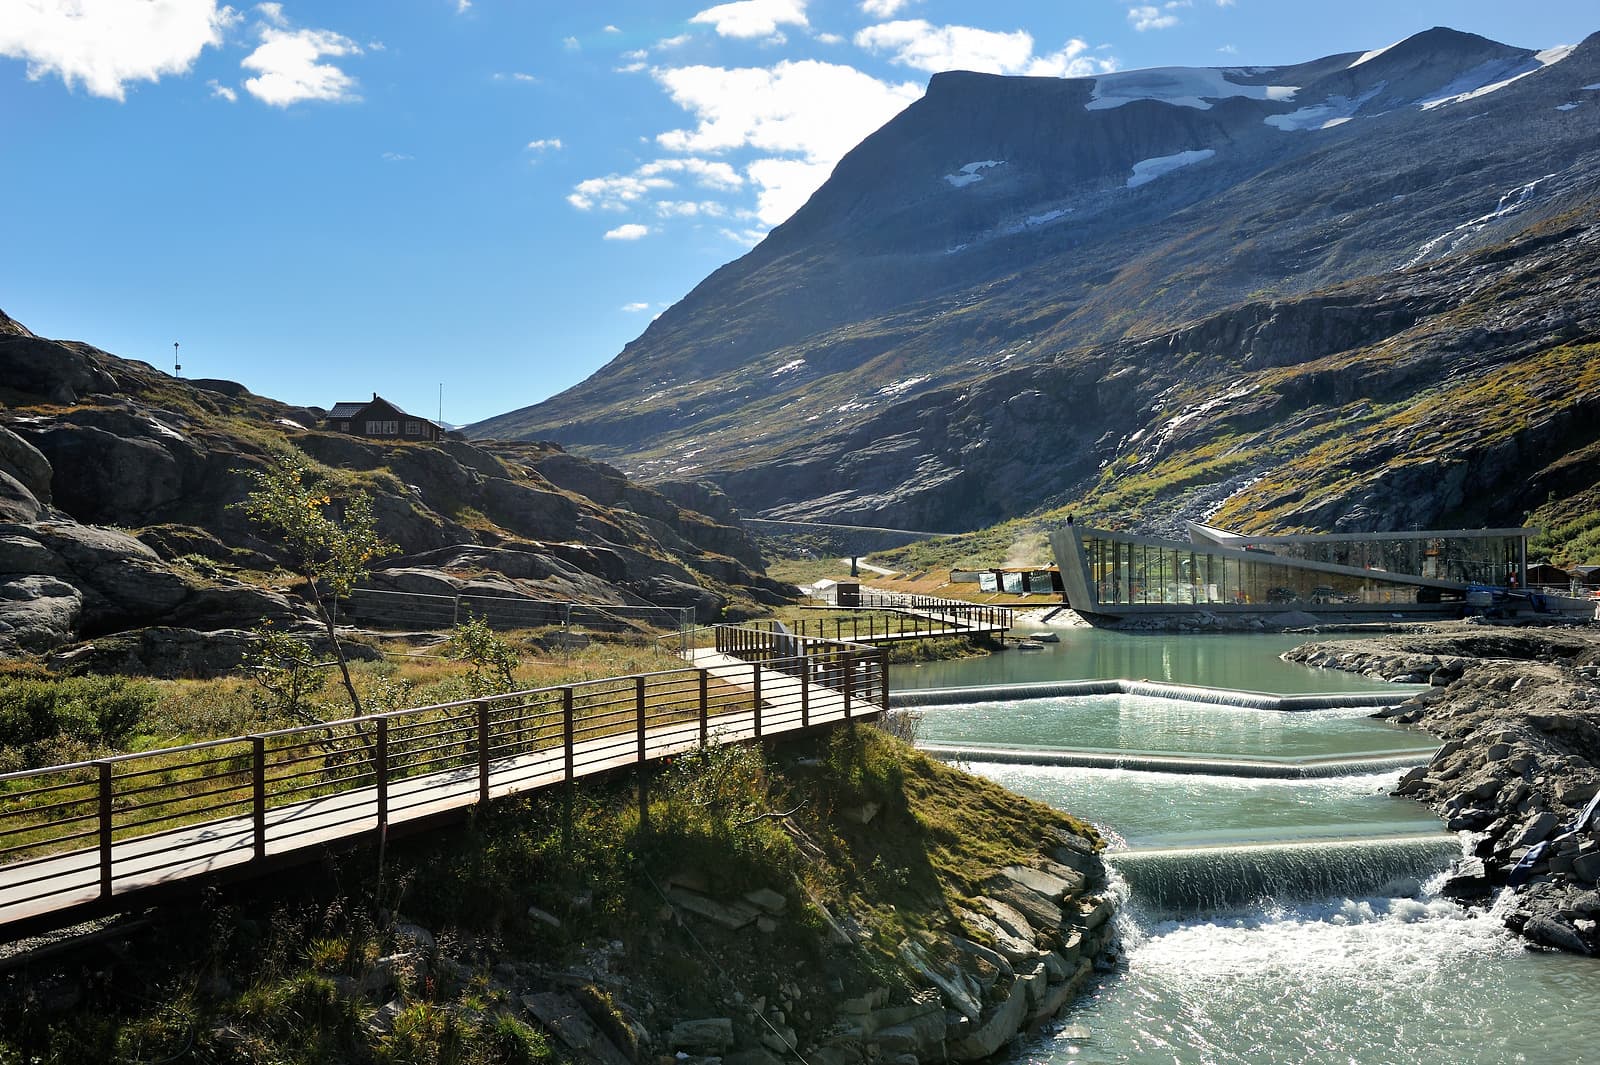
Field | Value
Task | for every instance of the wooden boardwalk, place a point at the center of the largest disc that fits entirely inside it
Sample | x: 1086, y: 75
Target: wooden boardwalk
x: 892, y: 619
x: 720, y: 699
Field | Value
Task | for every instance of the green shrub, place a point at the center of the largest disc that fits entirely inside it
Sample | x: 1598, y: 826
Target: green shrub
x: 82, y: 716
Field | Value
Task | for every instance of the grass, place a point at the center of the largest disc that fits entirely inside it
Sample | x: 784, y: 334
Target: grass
x: 244, y: 981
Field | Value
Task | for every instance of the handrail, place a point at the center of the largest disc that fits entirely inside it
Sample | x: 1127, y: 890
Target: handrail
x: 129, y: 819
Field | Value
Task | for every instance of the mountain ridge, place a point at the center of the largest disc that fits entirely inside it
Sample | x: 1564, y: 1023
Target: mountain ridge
x: 956, y: 244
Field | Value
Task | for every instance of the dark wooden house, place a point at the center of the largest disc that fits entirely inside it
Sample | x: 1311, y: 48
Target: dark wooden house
x: 379, y: 419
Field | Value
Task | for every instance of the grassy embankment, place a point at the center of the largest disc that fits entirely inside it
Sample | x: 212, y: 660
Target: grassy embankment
x: 246, y: 980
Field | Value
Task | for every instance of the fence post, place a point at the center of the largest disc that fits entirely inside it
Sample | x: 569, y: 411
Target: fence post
x: 258, y: 793
x: 105, y: 829
x: 382, y: 768
x: 755, y: 695
x: 567, y: 729
x: 483, y: 751
x: 705, y: 711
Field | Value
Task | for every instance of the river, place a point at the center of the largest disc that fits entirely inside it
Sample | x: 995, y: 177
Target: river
x: 1263, y: 921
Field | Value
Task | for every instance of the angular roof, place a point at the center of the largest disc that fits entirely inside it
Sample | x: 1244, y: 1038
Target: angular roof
x: 347, y: 410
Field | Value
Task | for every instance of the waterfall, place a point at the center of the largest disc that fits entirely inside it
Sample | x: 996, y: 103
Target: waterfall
x: 1185, y: 882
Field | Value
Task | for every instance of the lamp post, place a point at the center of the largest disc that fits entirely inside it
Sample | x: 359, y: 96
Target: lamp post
x: 176, y: 368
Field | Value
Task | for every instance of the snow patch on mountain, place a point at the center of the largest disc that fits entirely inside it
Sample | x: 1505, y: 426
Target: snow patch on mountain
x: 1334, y: 111
x: 1367, y: 57
x: 1493, y: 76
x: 788, y: 367
x: 1180, y: 86
x: 969, y: 173
x: 1147, y: 170
x: 1567, y: 106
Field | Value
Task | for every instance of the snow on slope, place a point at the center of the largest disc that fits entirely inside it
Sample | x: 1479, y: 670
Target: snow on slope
x: 1181, y: 86
x: 1493, y: 76
x: 1334, y: 111
x: 1147, y: 170
x: 969, y: 173
x: 1510, y: 202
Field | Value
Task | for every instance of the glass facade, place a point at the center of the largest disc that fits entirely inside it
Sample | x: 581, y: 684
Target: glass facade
x: 1464, y: 558
x: 1131, y: 571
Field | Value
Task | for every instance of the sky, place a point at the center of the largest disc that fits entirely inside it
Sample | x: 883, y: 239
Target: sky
x: 470, y: 205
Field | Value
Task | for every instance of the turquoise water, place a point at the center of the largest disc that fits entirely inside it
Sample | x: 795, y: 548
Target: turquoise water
x: 1169, y: 726
x: 1316, y: 952
x: 1222, y: 660
x: 1138, y: 809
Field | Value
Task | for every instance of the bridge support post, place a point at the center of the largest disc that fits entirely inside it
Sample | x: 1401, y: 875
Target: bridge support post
x: 883, y: 680
x: 849, y: 679
x: 805, y: 691
x: 381, y: 770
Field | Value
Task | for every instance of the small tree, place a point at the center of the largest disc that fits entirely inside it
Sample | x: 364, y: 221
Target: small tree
x: 329, y: 544
x: 492, y: 660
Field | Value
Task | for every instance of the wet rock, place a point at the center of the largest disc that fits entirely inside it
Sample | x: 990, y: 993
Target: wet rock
x: 1553, y: 931
x: 708, y: 1035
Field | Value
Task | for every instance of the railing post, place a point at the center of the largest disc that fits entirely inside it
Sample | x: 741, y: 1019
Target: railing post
x: 849, y: 661
x: 755, y: 695
x: 105, y: 829
x: 258, y: 793
x: 705, y: 710
x: 644, y: 766
x: 382, y: 769
x: 483, y: 751
x: 883, y: 680
x: 567, y: 730
x: 805, y: 690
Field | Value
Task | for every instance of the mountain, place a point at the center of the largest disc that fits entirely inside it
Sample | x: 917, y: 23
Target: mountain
x: 119, y: 493
x: 1026, y: 292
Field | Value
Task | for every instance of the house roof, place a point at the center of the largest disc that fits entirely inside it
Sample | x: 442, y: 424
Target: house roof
x: 347, y: 410
x: 350, y: 410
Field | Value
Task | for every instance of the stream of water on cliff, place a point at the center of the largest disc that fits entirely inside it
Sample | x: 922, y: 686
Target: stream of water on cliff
x: 1265, y: 921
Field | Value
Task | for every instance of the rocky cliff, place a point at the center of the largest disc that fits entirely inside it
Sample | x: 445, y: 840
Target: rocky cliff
x: 118, y: 487
x: 1344, y: 284
x: 1519, y: 711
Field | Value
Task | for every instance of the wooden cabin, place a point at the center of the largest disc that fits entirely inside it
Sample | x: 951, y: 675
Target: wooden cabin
x: 378, y: 419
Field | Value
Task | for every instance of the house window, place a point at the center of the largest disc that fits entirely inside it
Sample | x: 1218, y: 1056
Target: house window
x: 383, y: 428
x: 344, y: 427
x: 413, y: 428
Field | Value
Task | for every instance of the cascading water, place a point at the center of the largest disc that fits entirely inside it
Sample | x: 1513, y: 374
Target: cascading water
x: 1264, y: 919
x: 1185, y: 881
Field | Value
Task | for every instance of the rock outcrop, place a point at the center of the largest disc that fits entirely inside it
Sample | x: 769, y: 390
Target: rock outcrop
x: 1519, y: 711
x: 118, y: 512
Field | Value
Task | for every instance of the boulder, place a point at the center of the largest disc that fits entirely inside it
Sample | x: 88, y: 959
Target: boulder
x: 37, y: 612
x: 53, y: 371
x: 26, y: 464
x: 709, y: 1035
x: 16, y: 502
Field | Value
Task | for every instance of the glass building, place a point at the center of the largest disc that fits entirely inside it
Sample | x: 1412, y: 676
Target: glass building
x: 1423, y: 572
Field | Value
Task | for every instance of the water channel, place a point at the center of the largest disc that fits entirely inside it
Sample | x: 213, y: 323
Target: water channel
x: 1263, y: 920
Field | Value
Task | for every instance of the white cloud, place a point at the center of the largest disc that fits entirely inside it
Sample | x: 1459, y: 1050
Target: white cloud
x: 884, y: 8
x: 675, y: 42
x: 617, y: 192
x: 691, y: 209
x: 287, y: 63
x: 635, y: 308
x: 829, y: 38
x: 631, y: 231
x: 753, y: 18
x: 819, y: 110
x: 546, y: 144
x: 516, y: 75
x: 611, y: 29
x: 1225, y: 3
x: 105, y: 44
x: 714, y: 175
x: 923, y: 46
x: 1149, y: 17
x: 1228, y: 49
x: 784, y: 185
x: 221, y: 91
x: 397, y: 157
x: 570, y: 44
x: 273, y: 13
x: 463, y: 6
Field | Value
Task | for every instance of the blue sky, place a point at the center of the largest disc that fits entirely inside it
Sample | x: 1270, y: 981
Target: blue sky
x: 327, y: 199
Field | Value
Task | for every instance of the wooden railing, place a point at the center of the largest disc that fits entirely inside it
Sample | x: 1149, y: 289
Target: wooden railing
x: 87, y: 832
